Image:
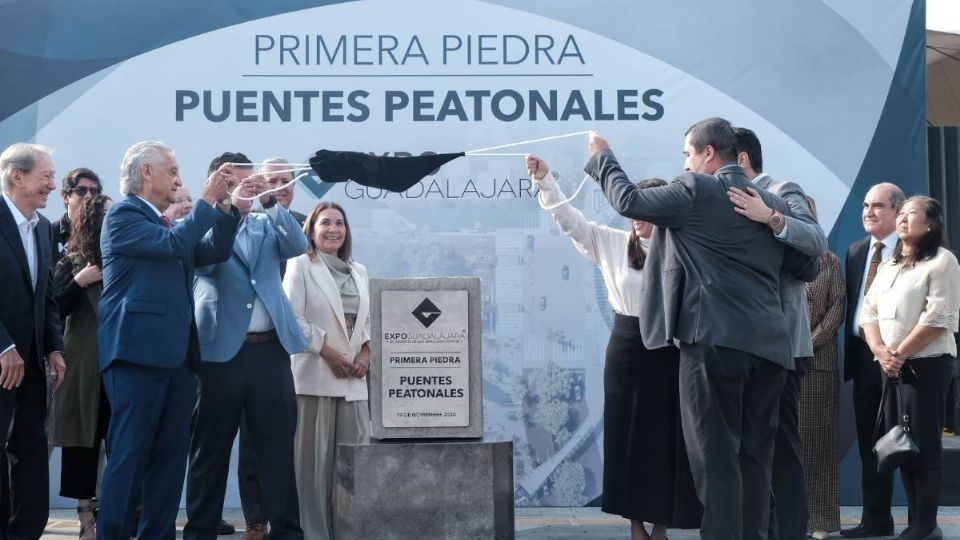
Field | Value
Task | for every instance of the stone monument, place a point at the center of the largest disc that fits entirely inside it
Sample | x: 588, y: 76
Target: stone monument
x: 428, y: 473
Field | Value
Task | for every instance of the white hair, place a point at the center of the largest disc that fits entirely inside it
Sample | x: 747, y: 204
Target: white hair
x: 19, y: 157
x: 144, y: 152
x: 276, y: 160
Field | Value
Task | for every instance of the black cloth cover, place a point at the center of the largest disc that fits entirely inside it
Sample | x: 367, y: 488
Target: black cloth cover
x: 390, y: 173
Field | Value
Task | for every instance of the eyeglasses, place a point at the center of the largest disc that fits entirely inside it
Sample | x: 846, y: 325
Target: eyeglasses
x: 83, y: 190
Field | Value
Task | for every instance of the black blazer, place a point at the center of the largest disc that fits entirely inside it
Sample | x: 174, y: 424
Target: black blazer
x: 853, y: 344
x: 27, y: 316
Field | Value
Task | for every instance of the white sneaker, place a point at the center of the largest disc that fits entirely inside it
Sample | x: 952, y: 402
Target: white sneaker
x: 819, y: 535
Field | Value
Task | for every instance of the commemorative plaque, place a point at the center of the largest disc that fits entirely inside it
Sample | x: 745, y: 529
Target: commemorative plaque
x: 426, y: 369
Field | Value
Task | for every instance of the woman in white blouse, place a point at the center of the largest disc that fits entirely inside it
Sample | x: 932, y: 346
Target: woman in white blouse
x: 330, y: 296
x: 646, y: 475
x: 908, y: 319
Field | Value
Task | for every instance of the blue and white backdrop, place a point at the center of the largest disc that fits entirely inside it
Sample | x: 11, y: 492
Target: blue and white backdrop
x: 834, y: 89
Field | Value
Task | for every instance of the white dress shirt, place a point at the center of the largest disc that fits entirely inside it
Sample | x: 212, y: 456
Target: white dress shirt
x: 26, y: 226
x: 605, y: 246
x: 889, y: 243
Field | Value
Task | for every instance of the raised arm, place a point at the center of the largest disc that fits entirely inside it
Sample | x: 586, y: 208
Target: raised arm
x: 588, y: 237
x: 667, y: 206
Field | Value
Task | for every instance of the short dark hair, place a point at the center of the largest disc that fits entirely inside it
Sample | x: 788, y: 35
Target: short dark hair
x: 747, y: 141
x: 72, y: 178
x: 228, y: 157
x: 715, y: 132
x: 345, y: 253
x: 635, y: 256
x: 931, y: 242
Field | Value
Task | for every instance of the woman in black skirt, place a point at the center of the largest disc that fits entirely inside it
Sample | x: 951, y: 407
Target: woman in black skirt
x: 646, y: 476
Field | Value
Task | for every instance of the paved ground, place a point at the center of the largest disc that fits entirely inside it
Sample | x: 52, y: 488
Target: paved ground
x: 547, y: 524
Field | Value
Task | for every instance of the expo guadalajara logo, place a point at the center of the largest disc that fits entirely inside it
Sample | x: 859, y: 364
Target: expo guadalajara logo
x: 427, y: 312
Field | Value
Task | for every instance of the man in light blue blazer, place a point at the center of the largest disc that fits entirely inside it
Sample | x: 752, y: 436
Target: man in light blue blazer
x: 147, y: 339
x: 247, y: 333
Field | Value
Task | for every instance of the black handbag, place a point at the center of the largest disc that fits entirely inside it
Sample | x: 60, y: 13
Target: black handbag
x: 896, y: 446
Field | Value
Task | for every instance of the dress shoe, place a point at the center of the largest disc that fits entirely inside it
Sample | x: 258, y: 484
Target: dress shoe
x: 255, y: 531
x: 225, y: 529
x: 863, y: 531
x: 934, y: 534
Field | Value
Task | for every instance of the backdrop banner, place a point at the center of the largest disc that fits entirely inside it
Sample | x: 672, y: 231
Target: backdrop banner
x: 833, y: 88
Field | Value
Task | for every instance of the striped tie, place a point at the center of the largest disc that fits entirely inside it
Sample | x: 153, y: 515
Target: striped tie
x: 874, y: 264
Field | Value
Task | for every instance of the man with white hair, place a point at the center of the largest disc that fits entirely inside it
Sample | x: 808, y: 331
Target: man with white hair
x: 182, y: 205
x: 147, y: 337
x: 276, y: 172
x: 29, y: 333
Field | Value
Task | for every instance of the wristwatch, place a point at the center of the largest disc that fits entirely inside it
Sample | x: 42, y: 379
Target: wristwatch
x: 270, y: 202
x: 775, y: 221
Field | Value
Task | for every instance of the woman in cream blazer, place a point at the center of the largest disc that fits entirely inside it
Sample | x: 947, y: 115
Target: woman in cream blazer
x: 330, y: 297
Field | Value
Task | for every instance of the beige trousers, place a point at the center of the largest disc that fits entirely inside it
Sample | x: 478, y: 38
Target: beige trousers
x: 322, y: 423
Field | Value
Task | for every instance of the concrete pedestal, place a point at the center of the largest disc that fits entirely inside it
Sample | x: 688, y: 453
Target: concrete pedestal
x: 424, y: 490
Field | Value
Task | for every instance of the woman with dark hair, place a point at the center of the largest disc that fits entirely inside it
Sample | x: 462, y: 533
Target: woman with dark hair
x: 80, y: 412
x: 330, y: 297
x: 908, y: 319
x: 646, y: 475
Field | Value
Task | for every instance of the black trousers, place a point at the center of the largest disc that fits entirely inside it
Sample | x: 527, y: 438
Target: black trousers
x: 729, y: 404
x: 257, y: 383
x: 248, y: 481
x: 923, y: 387
x: 788, y: 504
x: 25, y: 486
x: 867, y: 388
x: 79, y: 465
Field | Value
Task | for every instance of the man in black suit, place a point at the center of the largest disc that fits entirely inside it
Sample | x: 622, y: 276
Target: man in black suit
x: 29, y: 334
x: 711, y: 285
x: 880, y: 207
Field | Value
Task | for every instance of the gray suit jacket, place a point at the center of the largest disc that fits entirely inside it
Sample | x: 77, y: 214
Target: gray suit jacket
x: 805, y: 235
x: 711, y: 276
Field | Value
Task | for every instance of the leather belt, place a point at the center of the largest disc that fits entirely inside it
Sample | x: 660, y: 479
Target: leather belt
x: 261, y: 337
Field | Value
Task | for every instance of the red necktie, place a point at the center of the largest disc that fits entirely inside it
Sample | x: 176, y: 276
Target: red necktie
x: 166, y: 221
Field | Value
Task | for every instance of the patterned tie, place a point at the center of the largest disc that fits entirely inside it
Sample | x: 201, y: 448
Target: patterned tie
x: 874, y: 263
x: 166, y: 223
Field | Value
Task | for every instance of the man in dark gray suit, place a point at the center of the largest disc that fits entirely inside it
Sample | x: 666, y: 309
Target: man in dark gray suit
x: 711, y: 285
x: 788, y: 518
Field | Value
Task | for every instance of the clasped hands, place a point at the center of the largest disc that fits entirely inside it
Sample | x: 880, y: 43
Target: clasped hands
x: 891, y: 361
x: 342, y: 367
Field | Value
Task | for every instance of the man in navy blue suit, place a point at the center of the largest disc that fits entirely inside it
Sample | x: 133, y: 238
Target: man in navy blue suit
x: 248, y: 331
x: 147, y: 338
